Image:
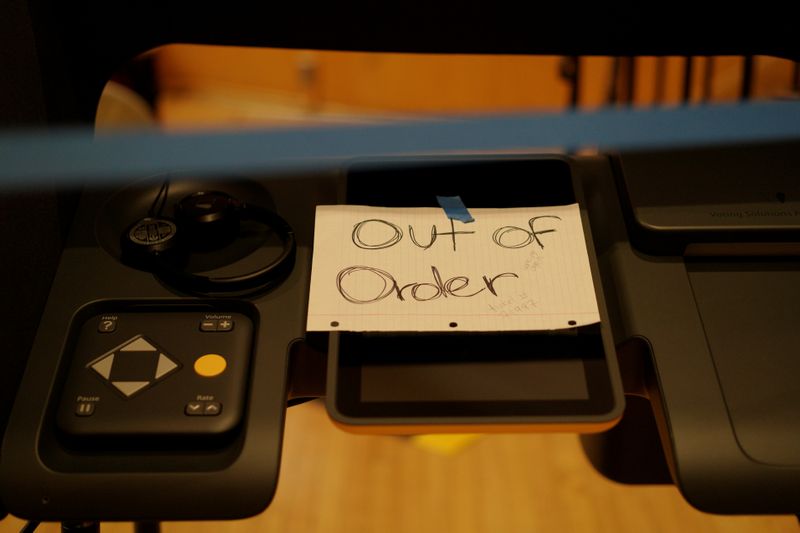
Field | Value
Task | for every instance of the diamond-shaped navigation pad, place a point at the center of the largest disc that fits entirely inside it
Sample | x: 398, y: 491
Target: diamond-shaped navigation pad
x: 134, y: 365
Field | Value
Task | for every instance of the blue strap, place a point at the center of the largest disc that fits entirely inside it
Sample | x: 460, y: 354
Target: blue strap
x: 64, y: 156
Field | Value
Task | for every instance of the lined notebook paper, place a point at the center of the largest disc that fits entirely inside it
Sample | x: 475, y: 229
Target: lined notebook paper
x: 414, y: 269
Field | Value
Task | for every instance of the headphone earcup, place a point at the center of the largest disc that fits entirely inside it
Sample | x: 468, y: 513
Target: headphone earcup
x: 208, y: 220
x: 150, y: 239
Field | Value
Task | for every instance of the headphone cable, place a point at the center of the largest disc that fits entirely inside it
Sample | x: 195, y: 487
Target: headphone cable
x: 162, y: 194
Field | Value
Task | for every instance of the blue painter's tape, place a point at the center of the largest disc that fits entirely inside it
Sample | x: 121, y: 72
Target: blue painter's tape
x: 72, y: 156
x: 454, y: 208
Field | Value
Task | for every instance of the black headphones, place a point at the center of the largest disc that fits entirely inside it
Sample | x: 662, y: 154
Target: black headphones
x: 204, y: 220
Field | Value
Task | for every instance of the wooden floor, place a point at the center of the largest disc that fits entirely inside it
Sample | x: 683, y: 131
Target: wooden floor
x: 335, y: 482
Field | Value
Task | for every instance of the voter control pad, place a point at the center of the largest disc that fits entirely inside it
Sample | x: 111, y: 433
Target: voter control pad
x: 156, y: 373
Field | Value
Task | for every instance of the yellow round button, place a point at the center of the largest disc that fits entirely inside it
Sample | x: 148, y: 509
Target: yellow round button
x: 210, y: 365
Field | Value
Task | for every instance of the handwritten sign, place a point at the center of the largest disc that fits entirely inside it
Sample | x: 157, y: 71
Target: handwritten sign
x: 414, y: 269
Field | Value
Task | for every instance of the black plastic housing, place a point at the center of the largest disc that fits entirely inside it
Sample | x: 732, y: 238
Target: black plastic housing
x: 414, y: 382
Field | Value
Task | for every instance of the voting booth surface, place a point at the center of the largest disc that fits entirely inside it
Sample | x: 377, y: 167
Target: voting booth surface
x: 163, y: 320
